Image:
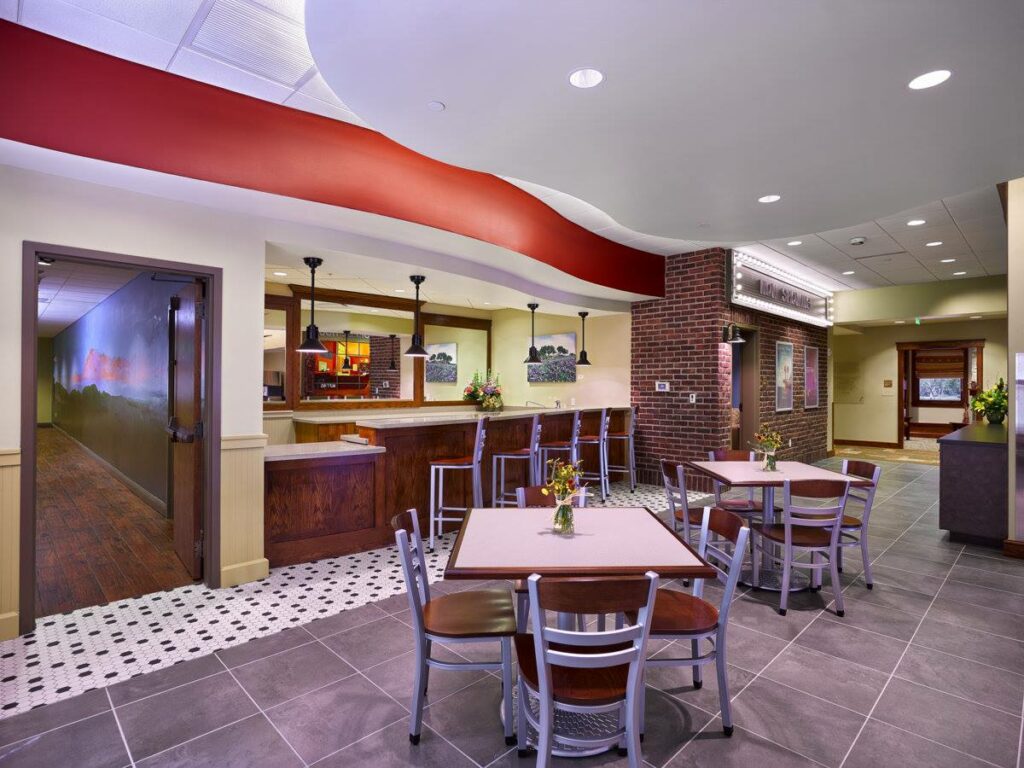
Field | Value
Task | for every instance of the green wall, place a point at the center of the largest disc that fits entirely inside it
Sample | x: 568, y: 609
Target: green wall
x: 44, y: 382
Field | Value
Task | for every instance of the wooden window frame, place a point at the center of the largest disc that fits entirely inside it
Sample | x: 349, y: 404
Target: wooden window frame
x: 915, y: 383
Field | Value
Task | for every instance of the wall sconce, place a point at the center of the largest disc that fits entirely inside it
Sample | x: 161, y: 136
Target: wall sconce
x: 731, y: 334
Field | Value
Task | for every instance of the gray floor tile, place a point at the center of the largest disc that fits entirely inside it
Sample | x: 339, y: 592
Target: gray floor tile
x: 877, y: 618
x: 331, y: 718
x: 395, y: 676
x: 915, y: 582
x: 1009, y: 565
x: 758, y: 611
x: 156, y: 723
x: 881, y: 745
x: 339, y: 622
x: 744, y: 749
x: 787, y: 717
x: 670, y: 722
x: 291, y: 673
x: 971, y: 644
x: 264, y: 646
x: 370, y: 644
x: 1004, y: 582
x: 827, y: 677
x: 983, y: 596
x: 91, y: 743
x: 52, y: 716
x: 251, y: 743
x: 960, y: 724
x: 470, y: 719
x: 750, y: 649
x: 912, y: 563
x: 888, y: 596
x: 678, y: 682
x: 164, y: 679
x: 977, y: 682
x: 977, y: 617
x: 843, y: 641
x: 390, y: 748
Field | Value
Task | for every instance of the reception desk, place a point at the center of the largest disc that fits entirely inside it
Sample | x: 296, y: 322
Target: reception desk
x: 973, y: 492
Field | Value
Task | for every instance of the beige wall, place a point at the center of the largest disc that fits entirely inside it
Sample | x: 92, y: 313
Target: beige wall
x: 1015, y: 285
x: 470, y: 356
x: 44, y: 381
x: 865, y: 357
x: 949, y: 298
x: 605, y: 382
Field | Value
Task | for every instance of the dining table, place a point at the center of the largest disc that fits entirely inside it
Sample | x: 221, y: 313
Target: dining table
x: 751, y: 474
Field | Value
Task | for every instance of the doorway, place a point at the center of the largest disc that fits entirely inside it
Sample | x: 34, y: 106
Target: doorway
x: 120, y: 472
x: 746, y: 389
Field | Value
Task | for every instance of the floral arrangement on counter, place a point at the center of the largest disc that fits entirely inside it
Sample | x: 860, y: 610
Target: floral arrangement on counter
x: 564, y: 484
x: 485, y: 391
x: 767, y: 442
x: 992, y: 402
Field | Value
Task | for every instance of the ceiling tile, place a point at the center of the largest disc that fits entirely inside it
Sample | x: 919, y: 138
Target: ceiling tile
x: 196, y: 66
x: 889, y: 262
x: 909, y: 276
x: 166, y: 20
x: 9, y: 10
x: 291, y: 9
x: 877, y: 241
x: 309, y: 104
x: 317, y: 88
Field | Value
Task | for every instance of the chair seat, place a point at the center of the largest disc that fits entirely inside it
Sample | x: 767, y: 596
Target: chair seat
x: 744, y: 506
x: 849, y: 521
x: 696, y: 515
x: 579, y: 687
x: 474, y: 613
x: 619, y: 435
x: 589, y: 439
x: 517, y: 452
x: 556, y: 444
x: 803, y: 536
x: 461, y: 461
x: 680, y: 613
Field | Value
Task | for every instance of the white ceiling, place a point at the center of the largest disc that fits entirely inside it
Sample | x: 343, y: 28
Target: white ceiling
x: 68, y: 290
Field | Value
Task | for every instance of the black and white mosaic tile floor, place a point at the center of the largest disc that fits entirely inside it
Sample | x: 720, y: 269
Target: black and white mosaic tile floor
x: 74, y: 652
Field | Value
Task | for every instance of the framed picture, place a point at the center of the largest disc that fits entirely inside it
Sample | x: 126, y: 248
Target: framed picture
x: 783, y: 376
x: 811, y: 377
x: 442, y: 363
x: 558, y: 359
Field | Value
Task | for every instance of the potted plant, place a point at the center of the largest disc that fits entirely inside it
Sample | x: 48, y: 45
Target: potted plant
x: 767, y: 442
x: 485, y: 392
x: 992, y: 402
x: 564, y: 484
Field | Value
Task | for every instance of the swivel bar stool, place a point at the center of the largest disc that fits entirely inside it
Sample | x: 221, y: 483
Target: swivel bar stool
x: 502, y: 496
x: 463, y: 463
x: 568, y: 447
x: 626, y: 435
x: 601, y: 441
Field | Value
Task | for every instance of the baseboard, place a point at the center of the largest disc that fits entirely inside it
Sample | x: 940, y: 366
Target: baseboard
x: 241, y: 573
x: 8, y: 625
x: 830, y: 453
x: 1013, y: 548
x: 928, y: 429
x: 45, y: 425
x: 865, y: 443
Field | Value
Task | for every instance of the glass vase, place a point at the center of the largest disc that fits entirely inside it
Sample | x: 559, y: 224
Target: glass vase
x: 564, y: 523
x: 769, y: 463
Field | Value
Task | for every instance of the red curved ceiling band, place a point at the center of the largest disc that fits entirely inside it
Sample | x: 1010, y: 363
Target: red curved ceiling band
x: 61, y: 96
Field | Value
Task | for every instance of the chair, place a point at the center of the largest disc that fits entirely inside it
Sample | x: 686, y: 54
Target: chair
x: 601, y: 441
x: 682, y: 616
x: 626, y: 435
x: 533, y: 496
x: 568, y: 447
x: 470, y: 464
x: 854, y: 532
x: 748, y: 507
x: 472, y: 616
x: 585, y: 672
x: 531, y: 454
x: 673, y: 474
x: 812, y: 530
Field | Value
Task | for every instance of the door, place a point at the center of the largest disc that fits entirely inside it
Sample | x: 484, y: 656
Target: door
x: 185, y: 423
x: 750, y: 383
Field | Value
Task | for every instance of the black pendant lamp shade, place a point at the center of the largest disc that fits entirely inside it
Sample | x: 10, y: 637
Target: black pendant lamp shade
x: 731, y: 335
x: 392, y: 366
x: 416, y: 348
x: 533, y: 358
x: 346, y: 364
x: 311, y: 343
x: 583, y: 340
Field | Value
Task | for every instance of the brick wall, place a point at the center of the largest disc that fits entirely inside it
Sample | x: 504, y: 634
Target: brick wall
x: 678, y: 339
x: 382, y: 350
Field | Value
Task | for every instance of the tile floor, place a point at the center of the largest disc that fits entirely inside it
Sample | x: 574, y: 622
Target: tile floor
x: 927, y: 669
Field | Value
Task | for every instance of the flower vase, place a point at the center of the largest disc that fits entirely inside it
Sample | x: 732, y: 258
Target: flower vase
x: 769, y: 462
x: 564, y: 523
x: 995, y: 417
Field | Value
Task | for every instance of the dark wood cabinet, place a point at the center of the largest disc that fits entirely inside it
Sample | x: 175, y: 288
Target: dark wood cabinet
x: 973, y: 484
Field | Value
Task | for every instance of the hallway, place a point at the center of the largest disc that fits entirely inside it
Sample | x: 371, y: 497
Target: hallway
x: 96, y: 541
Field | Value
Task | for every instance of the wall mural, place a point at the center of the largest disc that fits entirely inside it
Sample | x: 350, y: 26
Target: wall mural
x: 442, y: 363
x: 558, y: 355
x: 783, y: 376
x: 110, y: 381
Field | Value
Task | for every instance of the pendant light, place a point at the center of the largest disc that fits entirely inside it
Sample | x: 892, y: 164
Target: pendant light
x: 311, y: 343
x: 416, y: 348
x: 583, y: 340
x: 346, y: 364
x: 392, y: 336
x: 533, y: 358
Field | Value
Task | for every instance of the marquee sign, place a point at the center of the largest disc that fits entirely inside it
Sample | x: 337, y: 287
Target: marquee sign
x: 762, y: 286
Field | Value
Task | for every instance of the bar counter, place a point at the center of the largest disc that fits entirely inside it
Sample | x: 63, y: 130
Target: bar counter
x: 973, y: 489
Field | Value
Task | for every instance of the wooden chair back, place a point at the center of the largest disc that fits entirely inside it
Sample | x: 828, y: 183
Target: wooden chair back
x: 723, y: 544
x: 866, y: 496
x: 534, y: 496
x: 729, y: 454
x: 828, y: 516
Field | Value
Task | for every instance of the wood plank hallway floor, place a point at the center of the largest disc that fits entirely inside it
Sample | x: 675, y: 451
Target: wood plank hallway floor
x: 96, y: 541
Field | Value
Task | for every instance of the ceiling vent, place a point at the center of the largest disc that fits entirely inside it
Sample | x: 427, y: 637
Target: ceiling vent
x: 254, y: 38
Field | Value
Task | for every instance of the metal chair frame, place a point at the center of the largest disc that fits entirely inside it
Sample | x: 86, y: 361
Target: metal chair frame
x: 437, y: 470
x: 601, y: 441
x: 501, y: 496
x: 857, y: 536
x: 572, y: 449
x: 630, y: 466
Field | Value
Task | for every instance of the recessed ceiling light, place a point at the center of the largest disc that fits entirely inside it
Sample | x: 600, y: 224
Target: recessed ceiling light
x: 975, y: 317
x: 848, y: 272
x: 795, y: 242
x: 946, y: 261
x: 900, y: 322
x: 769, y: 199
x: 739, y: 275
x: 933, y: 243
x: 958, y: 274
x: 915, y: 222
x: 585, y: 77
x: 436, y: 106
x: 399, y: 290
x: 929, y: 79
x: 487, y: 303
x: 739, y: 287
x: 281, y: 274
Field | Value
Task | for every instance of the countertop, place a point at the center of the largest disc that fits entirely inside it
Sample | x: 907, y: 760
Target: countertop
x: 977, y: 434
x: 382, y: 418
x: 292, y: 451
x: 463, y: 417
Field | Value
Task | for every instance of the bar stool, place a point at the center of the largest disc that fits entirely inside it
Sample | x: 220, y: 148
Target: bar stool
x: 627, y: 436
x: 601, y: 441
x: 471, y: 464
x: 500, y: 495
x: 569, y: 447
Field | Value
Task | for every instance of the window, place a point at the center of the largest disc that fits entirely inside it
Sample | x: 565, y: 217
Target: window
x: 947, y: 389
x: 939, y: 378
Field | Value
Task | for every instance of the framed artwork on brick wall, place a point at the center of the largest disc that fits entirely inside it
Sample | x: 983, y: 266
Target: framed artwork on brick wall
x: 811, y: 377
x: 783, y: 376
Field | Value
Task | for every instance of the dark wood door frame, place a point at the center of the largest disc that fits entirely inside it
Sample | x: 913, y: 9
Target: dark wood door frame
x: 213, y: 276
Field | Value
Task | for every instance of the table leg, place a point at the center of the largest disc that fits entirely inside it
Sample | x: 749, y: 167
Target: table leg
x: 770, y: 575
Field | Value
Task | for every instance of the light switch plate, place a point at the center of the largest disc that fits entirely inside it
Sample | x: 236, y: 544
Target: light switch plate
x: 693, y: 397
x: 662, y: 386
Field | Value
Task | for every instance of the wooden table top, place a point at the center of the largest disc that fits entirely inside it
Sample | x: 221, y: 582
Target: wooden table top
x: 748, y: 474
x: 513, y: 543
